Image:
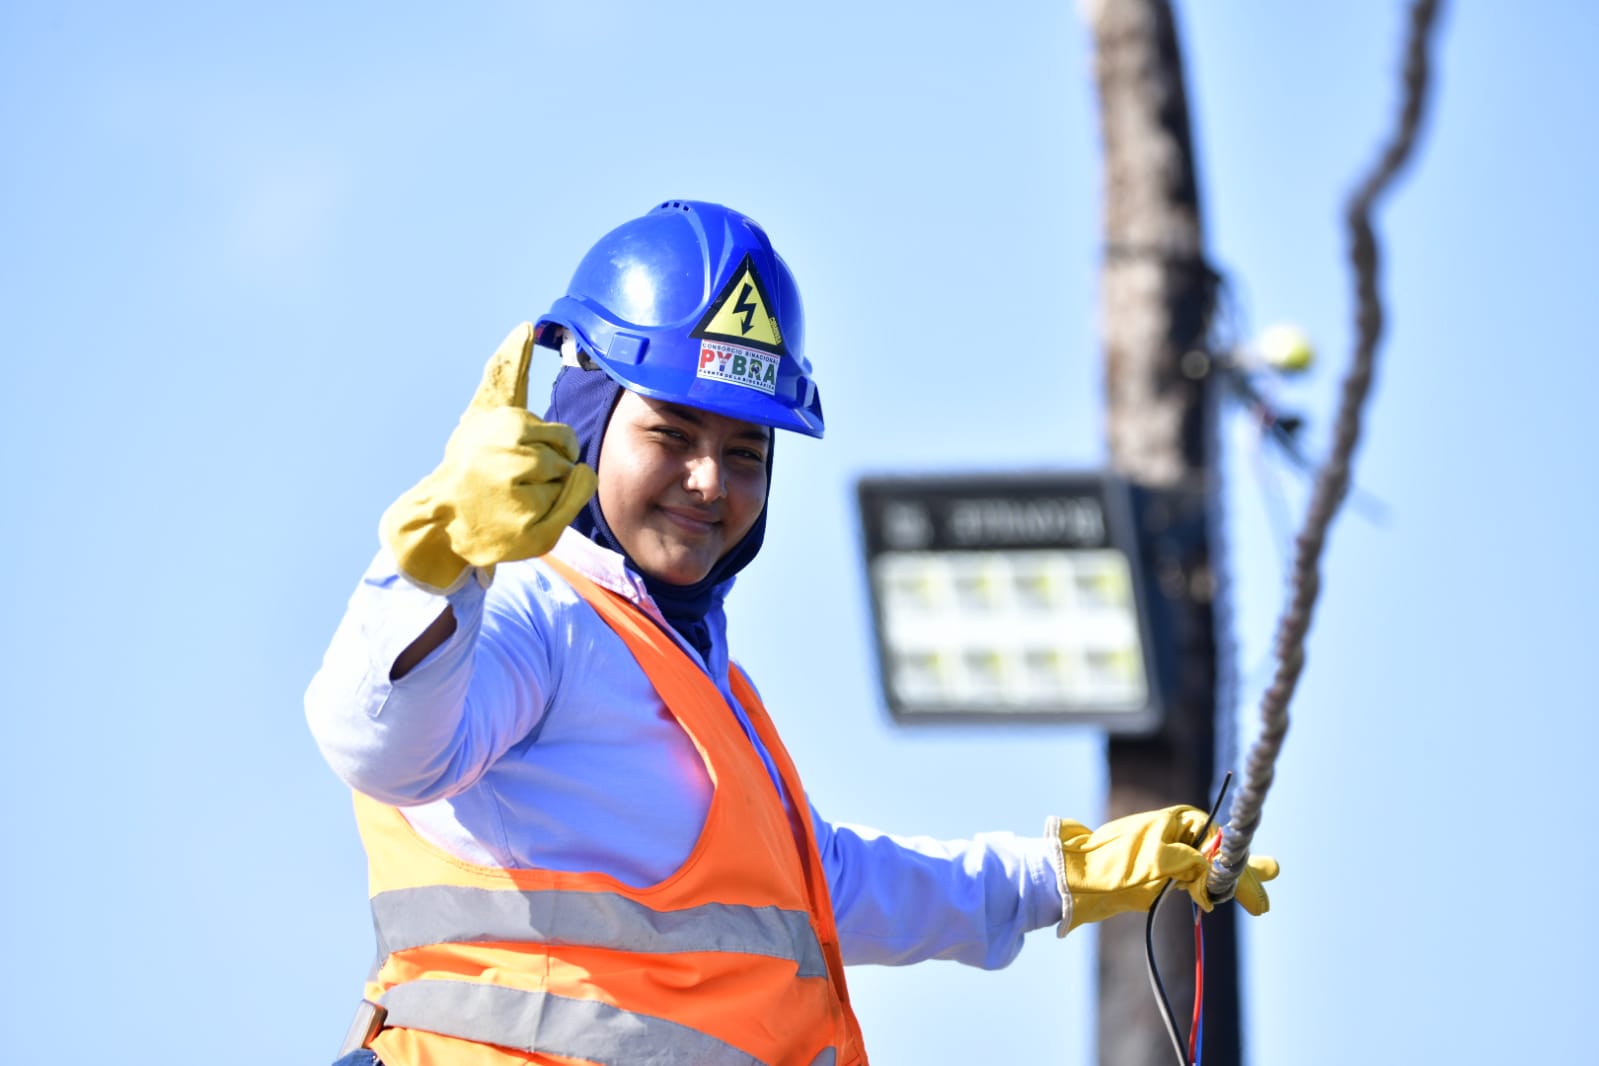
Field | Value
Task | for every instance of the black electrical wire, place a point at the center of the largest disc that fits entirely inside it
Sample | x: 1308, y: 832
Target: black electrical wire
x: 1162, y: 1002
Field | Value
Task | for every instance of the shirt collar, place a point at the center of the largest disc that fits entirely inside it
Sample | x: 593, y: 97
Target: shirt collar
x: 608, y: 569
x: 602, y: 566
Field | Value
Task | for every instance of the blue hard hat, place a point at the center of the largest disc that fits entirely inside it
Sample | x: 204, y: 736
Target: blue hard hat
x: 689, y: 303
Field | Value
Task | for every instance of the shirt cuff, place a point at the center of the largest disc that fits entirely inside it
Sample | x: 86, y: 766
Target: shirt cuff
x: 1058, y: 858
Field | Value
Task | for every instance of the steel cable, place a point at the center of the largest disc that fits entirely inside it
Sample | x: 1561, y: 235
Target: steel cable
x: 1332, y: 480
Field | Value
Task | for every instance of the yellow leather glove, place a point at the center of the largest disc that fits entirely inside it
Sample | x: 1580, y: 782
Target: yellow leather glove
x: 509, y: 484
x: 1122, y: 865
x: 1250, y: 889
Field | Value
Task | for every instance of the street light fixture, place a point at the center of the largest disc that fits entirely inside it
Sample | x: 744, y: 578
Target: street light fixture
x: 1009, y: 598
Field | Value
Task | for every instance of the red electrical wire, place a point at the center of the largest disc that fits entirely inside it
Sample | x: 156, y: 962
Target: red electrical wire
x: 1196, y: 1027
x: 1162, y: 1003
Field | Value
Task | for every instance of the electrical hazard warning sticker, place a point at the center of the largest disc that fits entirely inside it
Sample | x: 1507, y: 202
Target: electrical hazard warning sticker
x: 741, y: 314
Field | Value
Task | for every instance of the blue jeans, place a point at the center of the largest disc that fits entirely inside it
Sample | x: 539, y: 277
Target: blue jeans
x: 363, y: 1057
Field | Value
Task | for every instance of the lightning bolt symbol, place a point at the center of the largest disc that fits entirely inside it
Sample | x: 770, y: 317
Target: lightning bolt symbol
x: 745, y: 308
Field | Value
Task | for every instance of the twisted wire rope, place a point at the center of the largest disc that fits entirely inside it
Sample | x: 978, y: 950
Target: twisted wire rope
x: 1332, y: 480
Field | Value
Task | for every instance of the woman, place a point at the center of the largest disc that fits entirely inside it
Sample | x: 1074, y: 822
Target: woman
x: 586, y: 841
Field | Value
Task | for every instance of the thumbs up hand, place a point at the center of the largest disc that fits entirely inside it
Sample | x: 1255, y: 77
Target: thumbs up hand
x: 509, y: 483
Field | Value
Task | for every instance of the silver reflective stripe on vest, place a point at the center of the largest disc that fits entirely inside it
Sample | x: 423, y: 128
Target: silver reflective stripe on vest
x: 444, y: 914
x: 538, y: 1021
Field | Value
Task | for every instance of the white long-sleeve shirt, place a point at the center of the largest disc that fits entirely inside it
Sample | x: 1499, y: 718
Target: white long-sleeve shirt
x: 531, y: 737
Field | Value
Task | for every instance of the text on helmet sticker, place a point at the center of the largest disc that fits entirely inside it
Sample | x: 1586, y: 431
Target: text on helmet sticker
x: 741, y: 314
x: 737, y: 365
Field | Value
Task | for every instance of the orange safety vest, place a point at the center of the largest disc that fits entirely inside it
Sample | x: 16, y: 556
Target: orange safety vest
x: 734, y: 958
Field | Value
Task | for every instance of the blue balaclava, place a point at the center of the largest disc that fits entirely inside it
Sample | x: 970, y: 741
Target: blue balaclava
x: 584, y: 400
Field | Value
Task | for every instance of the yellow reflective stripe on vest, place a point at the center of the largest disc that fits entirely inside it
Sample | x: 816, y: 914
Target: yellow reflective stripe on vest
x: 453, y: 914
x: 538, y: 1021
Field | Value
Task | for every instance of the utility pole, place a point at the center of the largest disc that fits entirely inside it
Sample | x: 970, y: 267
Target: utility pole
x: 1156, y: 298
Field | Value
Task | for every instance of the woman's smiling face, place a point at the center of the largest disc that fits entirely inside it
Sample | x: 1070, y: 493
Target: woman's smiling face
x: 680, y: 486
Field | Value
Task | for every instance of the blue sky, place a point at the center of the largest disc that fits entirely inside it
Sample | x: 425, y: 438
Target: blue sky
x: 254, y: 255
